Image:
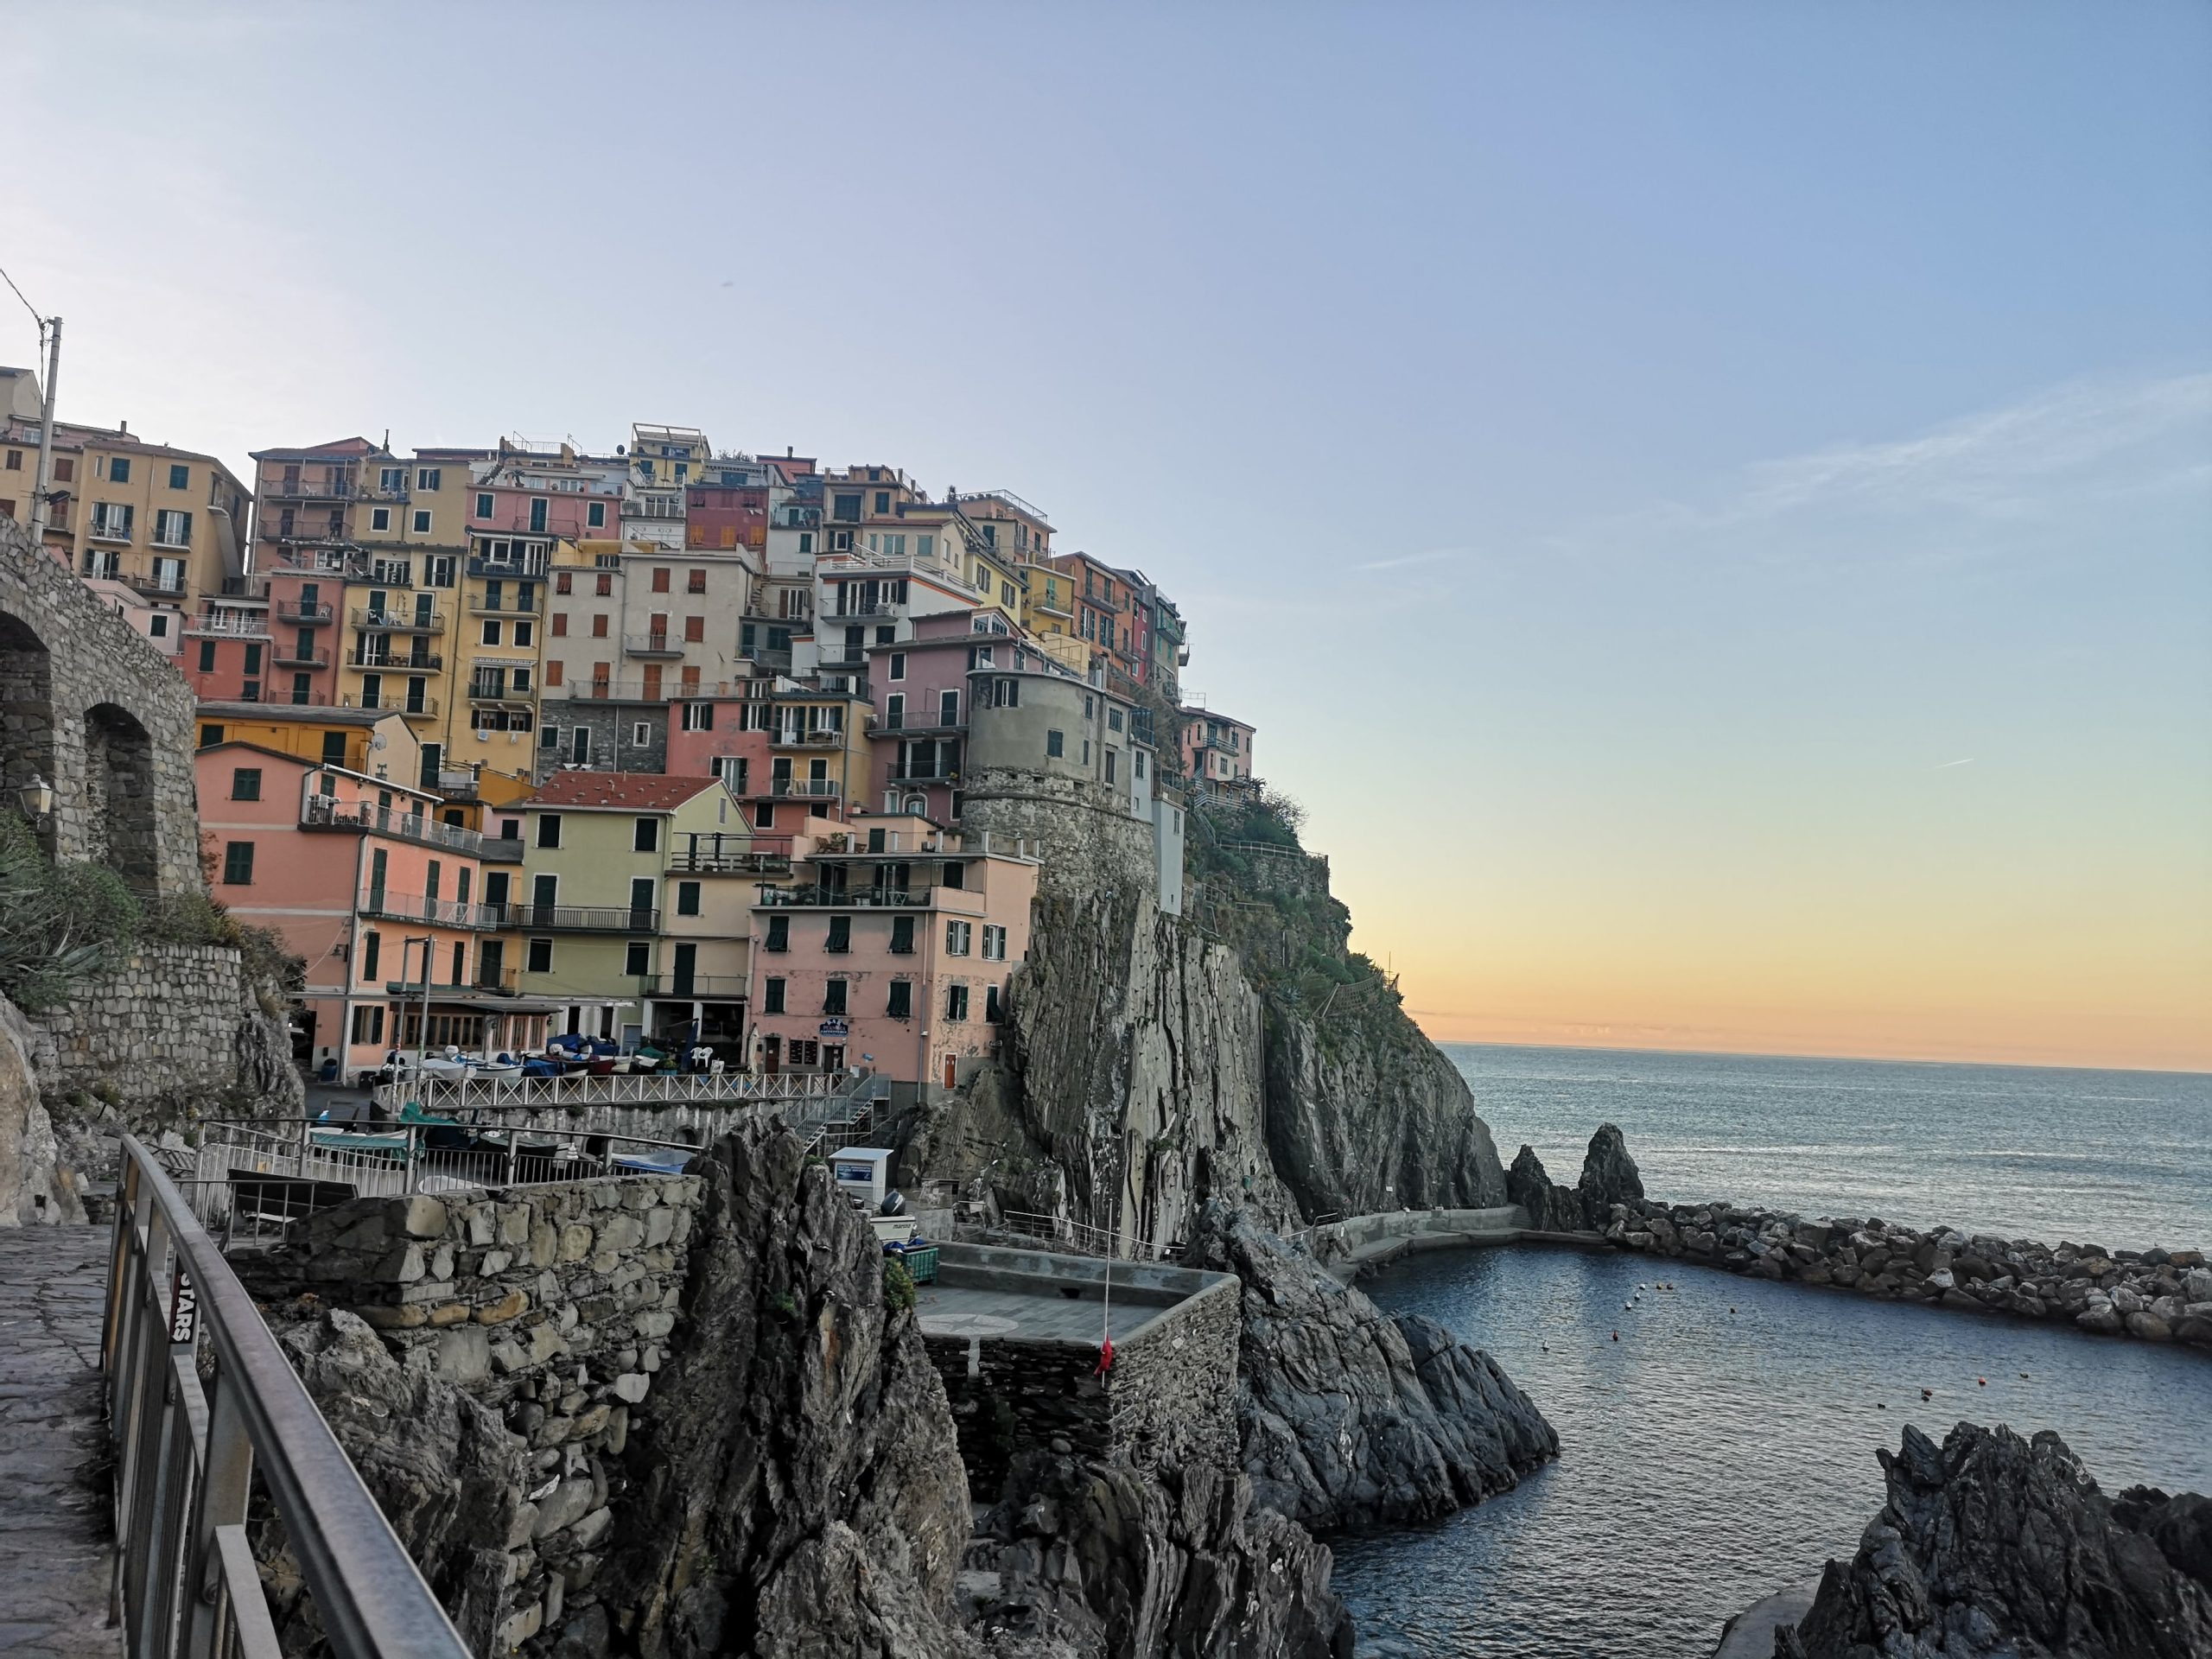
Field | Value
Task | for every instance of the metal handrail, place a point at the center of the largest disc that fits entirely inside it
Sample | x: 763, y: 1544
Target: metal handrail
x: 185, y: 1453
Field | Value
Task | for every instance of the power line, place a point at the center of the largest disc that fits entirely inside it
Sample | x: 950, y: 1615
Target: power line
x: 28, y: 306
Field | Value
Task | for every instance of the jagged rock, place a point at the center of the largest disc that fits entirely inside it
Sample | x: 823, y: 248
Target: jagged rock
x: 1550, y: 1208
x: 1350, y: 1416
x: 36, y: 1187
x: 447, y: 1473
x: 1101, y: 1559
x: 1609, y: 1174
x: 1994, y: 1547
x: 797, y: 1488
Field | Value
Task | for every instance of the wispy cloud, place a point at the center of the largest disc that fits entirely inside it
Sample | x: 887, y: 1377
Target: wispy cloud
x: 1947, y: 765
x: 1434, y: 555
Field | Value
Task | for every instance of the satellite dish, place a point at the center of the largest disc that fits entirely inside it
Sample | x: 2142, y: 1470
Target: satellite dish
x: 377, y: 739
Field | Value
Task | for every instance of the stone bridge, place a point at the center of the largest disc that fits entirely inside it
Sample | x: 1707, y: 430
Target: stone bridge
x: 90, y: 706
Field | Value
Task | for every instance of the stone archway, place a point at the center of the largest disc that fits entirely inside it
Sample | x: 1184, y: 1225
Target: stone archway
x: 119, y: 795
x: 25, y: 708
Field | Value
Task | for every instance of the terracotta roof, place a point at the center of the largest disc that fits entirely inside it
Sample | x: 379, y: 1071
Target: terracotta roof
x: 633, y: 791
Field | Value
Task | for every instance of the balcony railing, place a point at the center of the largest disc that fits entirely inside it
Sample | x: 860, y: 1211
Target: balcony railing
x: 713, y: 988
x: 156, y: 587
x: 820, y: 789
x: 328, y: 812
x: 865, y: 607
x: 296, y: 656
x: 653, y: 645
x: 906, y: 725
x: 291, y: 610
x: 935, y: 775
x: 782, y: 737
x: 499, y: 691
x: 507, y: 605
x: 400, y: 621
x: 231, y: 627
x: 583, y: 918
x: 837, y: 897
x: 441, y: 912
x: 530, y: 568
x: 341, y: 488
x: 715, y: 855
x: 390, y: 702
x: 422, y: 662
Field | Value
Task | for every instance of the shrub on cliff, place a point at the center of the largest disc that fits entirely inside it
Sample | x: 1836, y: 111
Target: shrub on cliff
x: 60, y: 924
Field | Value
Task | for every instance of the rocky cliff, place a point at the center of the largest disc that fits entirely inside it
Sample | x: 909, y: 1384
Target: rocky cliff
x: 1995, y: 1546
x: 1150, y: 1061
x: 1609, y: 1177
x: 36, y: 1186
x: 1349, y: 1416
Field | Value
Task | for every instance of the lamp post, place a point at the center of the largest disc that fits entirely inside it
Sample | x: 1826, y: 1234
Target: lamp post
x: 36, y: 798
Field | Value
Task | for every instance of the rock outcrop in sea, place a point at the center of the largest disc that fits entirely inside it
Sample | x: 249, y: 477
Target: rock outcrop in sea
x: 1992, y: 1546
x: 1609, y: 1177
x: 1351, y: 1416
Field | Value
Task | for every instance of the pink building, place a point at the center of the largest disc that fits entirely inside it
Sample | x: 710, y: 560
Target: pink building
x: 1216, y: 752
x: 891, y: 952
x: 920, y: 687
x: 709, y: 737
x: 402, y: 919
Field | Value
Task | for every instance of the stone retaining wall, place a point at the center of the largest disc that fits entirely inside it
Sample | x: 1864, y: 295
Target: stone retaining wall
x: 2154, y: 1295
x: 165, y: 1025
x: 549, y: 1304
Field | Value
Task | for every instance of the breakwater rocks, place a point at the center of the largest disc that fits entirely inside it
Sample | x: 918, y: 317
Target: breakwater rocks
x: 1992, y: 1545
x: 2154, y: 1295
x: 1349, y: 1415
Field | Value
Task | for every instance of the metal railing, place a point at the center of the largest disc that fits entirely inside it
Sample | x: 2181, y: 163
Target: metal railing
x: 294, y: 611
x: 421, y: 662
x: 653, y: 645
x: 1061, y: 1235
x: 834, y: 898
x: 585, y: 918
x: 399, y: 621
x: 507, y: 605
x: 659, y: 1090
x: 328, y: 812
x: 443, y: 912
x: 201, y: 1400
x: 295, y: 655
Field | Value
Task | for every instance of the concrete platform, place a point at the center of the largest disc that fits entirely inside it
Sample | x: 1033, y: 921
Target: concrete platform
x: 974, y: 1311
x: 1750, y: 1635
x: 57, y: 1551
x: 1040, y: 1296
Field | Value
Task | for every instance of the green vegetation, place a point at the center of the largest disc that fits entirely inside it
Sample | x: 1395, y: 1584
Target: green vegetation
x: 63, y: 925
x: 898, y: 1286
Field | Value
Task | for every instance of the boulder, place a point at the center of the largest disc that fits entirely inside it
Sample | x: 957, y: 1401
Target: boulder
x: 1609, y: 1174
x: 1995, y: 1546
x: 1349, y: 1416
x: 1550, y: 1208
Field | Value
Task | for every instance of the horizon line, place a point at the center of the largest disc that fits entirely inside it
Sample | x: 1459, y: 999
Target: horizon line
x: 1789, y: 1054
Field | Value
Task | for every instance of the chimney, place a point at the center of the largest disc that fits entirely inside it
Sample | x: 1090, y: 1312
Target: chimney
x: 124, y: 427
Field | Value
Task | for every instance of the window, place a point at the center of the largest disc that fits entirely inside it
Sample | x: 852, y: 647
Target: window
x: 641, y: 734
x: 901, y: 1003
x: 207, y: 663
x: 771, y: 996
x: 644, y: 835
x: 238, y: 864
x: 992, y: 1012
x: 694, y: 629
x: 491, y: 634
x: 958, y: 937
x: 540, y: 957
x: 841, y: 935
x: 660, y: 579
x: 902, y: 936
x: 422, y: 521
x: 948, y: 708
x: 695, y: 582
x: 426, y: 478
x: 157, y: 625
x: 1113, y: 718
x: 210, y: 736
x: 368, y: 1024
x: 522, y: 635
x: 372, y: 954
x: 898, y: 670
x: 595, y: 515
x: 956, y: 1002
x: 440, y: 572
x: 779, y: 934
x: 599, y: 625
x: 883, y: 500
x: 994, y: 942
x: 833, y: 995
x: 606, y: 584
x: 687, y: 898
x: 560, y: 624
x: 638, y: 958
x: 118, y: 470
x: 379, y: 517
x: 112, y: 519
x: 1055, y: 744
x: 564, y: 583
x: 1112, y: 755
x: 245, y: 784
x: 549, y: 829
x: 641, y: 897
x: 1140, y: 760
x: 172, y: 528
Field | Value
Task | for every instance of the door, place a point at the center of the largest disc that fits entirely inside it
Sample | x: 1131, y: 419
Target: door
x: 433, y: 755
x: 421, y: 610
x: 641, y: 904
x: 687, y: 962
x: 544, y: 892
x: 417, y: 687
x: 490, y: 962
x: 833, y: 1056
x: 377, y: 861
x: 495, y: 889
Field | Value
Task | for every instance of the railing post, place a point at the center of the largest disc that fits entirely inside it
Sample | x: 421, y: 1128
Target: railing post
x: 513, y: 1138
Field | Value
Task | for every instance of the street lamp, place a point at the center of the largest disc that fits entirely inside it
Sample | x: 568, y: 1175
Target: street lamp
x: 37, y: 800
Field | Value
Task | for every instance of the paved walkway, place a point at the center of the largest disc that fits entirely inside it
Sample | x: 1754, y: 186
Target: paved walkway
x: 55, y: 1549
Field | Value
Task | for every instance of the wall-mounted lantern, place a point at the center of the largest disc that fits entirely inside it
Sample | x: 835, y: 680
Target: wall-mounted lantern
x: 36, y: 798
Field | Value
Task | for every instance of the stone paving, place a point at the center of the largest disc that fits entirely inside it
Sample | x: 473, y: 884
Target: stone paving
x: 56, y: 1552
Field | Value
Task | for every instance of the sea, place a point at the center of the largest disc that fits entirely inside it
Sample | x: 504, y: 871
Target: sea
x: 1723, y: 1447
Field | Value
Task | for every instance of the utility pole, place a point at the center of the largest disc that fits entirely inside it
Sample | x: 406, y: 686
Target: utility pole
x: 51, y: 328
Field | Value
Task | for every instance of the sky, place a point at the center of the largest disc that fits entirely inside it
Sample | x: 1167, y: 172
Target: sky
x: 1707, y: 505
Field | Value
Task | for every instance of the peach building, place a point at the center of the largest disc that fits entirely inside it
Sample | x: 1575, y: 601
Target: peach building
x: 404, y: 920
x: 891, y: 951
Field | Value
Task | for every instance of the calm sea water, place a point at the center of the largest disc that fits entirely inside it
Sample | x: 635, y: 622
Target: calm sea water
x: 1724, y: 1446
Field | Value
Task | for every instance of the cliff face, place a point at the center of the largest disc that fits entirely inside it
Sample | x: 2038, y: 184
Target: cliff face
x: 1994, y: 1546
x: 36, y: 1186
x: 1151, y: 1062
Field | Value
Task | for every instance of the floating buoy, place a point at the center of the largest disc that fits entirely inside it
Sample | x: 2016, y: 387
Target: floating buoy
x: 1881, y: 1405
x: 1617, y: 1336
x: 1983, y: 1381
x: 1927, y: 1394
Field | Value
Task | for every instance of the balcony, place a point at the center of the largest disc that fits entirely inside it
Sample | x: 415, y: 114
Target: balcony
x: 382, y: 492
x: 819, y: 897
x: 529, y: 569
x: 393, y: 703
x: 328, y: 488
x: 883, y: 608
x: 651, y: 644
x: 507, y: 605
x: 439, y: 912
x: 582, y: 918
x: 815, y: 739
x: 711, y: 988
x: 715, y: 855
x: 327, y: 812
x: 935, y: 775
x: 157, y: 587
x: 422, y: 662
x: 497, y: 691
x: 819, y: 789
x: 899, y: 726
x: 108, y: 529
x: 230, y: 628
x: 311, y: 616
x: 298, y: 656
x: 400, y: 621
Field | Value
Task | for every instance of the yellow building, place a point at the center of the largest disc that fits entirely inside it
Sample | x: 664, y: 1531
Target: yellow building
x: 166, y: 524
x: 365, y: 740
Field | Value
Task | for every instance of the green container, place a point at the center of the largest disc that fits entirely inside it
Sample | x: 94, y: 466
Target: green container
x: 921, y: 1265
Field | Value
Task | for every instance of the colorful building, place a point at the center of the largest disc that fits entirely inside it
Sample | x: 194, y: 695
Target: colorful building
x: 891, y: 949
x: 402, y: 919
x: 1216, y: 753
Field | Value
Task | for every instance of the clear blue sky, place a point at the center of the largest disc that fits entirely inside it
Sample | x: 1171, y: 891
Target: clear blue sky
x: 1707, y: 505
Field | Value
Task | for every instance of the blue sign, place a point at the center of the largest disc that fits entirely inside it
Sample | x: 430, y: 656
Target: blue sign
x: 832, y: 1029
